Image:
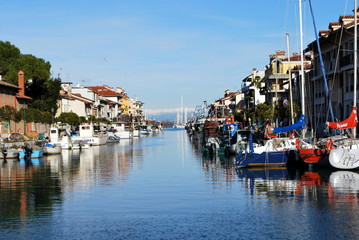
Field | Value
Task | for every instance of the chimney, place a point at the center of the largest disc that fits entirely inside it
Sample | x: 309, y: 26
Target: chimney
x: 21, y: 82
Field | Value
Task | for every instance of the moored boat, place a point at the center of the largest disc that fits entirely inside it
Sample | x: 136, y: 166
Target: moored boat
x: 51, y: 149
x: 86, y: 133
x: 9, y: 154
x: 35, y: 153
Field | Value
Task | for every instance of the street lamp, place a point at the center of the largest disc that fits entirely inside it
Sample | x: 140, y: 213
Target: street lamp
x: 52, y: 115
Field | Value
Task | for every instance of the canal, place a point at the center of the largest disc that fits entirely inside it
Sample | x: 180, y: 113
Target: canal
x: 163, y: 187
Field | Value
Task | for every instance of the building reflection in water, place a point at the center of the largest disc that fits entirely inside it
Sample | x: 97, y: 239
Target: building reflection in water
x: 26, y: 192
x: 41, y: 185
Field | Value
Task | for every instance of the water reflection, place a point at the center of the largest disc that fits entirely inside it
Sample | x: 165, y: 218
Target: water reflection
x: 165, y: 187
x: 323, y: 185
x: 26, y: 192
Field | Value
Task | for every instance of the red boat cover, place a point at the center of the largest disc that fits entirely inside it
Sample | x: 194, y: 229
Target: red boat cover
x: 350, y: 122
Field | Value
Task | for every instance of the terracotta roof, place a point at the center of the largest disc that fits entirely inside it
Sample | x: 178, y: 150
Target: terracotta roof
x: 104, y: 91
x: 76, y: 97
x: 8, y: 85
x: 23, y: 97
x: 2, y: 83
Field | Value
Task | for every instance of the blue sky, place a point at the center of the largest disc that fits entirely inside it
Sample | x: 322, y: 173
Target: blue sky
x: 160, y: 50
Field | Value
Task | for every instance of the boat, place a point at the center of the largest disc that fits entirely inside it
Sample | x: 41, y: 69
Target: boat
x: 79, y: 144
x: 275, y: 152
x: 344, y: 181
x: 112, y: 138
x: 346, y: 156
x: 51, y: 149
x: 181, y: 117
x: 64, y: 141
x: 121, y: 130
x: 33, y: 153
x: 88, y: 135
x: 9, y: 153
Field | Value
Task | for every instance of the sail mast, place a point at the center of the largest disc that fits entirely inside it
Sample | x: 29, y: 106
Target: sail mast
x: 355, y: 58
x: 302, y: 60
x: 290, y: 81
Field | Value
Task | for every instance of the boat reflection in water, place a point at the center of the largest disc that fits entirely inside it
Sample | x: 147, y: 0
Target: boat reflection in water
x: 325, y: 186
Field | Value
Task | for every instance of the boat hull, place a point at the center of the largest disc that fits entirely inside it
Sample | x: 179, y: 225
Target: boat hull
x: 34, y: 154
x: 11, y: 154
x: 344, y: 158
x: 312, y: 155
x: 264, y: 159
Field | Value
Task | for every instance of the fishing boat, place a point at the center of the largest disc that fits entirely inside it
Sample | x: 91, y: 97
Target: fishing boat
x: 88, y: 135
x: 121, y: 130
x: 64, y: 141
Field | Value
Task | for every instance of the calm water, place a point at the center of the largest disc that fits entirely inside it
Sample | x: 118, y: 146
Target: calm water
x: 162, y: 187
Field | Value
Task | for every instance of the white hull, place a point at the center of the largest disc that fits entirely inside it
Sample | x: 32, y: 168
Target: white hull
x: 11, y: 154
x: 344, y: 181
x: 52, y: 150
x: 344, y: 158
x: 124, y: 135
x: 136, y: 133
x: 92, y: 141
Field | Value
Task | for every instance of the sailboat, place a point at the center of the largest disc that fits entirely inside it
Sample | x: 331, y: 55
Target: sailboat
x: 315, y: 154
x: 181, y: 117
x: 346, y: 156
x: 277, y: 151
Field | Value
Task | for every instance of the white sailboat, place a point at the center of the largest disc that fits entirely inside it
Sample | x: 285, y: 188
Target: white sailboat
x: 181, y: 117
x: 346, y: 156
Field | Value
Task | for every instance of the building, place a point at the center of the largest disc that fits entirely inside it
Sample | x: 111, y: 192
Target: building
x: 251, y: 89
x: 337, y: 47
x: 14, y: 96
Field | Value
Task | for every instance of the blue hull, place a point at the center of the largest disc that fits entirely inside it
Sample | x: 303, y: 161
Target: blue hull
x: 34, y: 154
x: 264, y: 159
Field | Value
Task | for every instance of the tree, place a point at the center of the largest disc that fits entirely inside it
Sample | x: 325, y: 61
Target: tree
x: 7, y: 114
x: 43, y: 90
x: 69, y: 118
x: 283, y: 112
x: 48, y: 96
x: 263, y: 111
x: 8, y: 55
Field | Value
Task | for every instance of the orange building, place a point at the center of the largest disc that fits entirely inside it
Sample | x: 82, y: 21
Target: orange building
x: 13, y: 96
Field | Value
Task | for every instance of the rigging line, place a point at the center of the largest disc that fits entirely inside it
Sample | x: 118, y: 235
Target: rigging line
x: 321, y: 62
x: 338, y: 51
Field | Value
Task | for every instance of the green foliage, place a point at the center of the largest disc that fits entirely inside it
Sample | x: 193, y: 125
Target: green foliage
x: 282, y: 112
x: 91, y: 118
x: 82, y: 119
x: 43, y: 90
x: 263, y: 111
x: 35, y: 68
x: 7, y: 113
x: 103, y: 120
x: 69, y: 118
x: 8, y: 55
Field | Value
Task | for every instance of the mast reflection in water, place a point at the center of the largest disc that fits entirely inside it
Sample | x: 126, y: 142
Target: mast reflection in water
x: 164, y: 186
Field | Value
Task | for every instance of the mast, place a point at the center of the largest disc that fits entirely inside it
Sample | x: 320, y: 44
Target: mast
x: 302, y: 61
x: 355, y: 58
x: 290, y: 81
